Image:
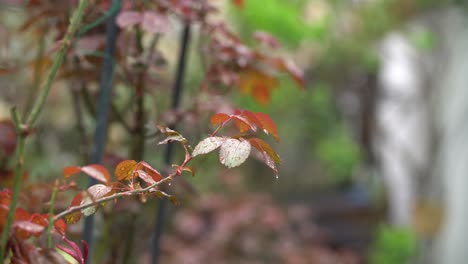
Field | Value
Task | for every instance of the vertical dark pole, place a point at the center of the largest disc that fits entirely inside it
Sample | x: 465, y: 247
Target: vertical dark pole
x: 102, y: 112
x: 176, y: 95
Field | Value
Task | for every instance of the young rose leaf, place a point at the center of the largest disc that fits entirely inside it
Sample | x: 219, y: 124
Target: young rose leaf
x: 243, y: 124
x: 94, y: 193
x: 172, y: 135
x: 178, y: 138
x: 234, y: 152
x: 207, y: 145
x: 249, y: 116
x: 267, y: 154
x: 124, y: 170
x: 40, y: 219
x: 268, y: 126
x: 26, y: 228
x: 60, y: 226
x: 70, y: 170
x: 21, y: 214
x: 74, y: 217
x: 74, y: 250
x: 219, y: 118
x: 128, y: 18
x: 150, y: 171
x: 145, y: 177
x: 97, y: 172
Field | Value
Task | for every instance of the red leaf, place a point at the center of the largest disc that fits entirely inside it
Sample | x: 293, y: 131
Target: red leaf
x: 150, y: 170
x: 268, y: 125
x: 70, y: 170
x: 60, y: 226
x: 146, y: 177
x: 268, y: 155
x: 41, y: 220
x: 219, y: 118
x: 243, y: 124
x: 128, y: 18
x: 26, y: 228
x: 21, y: 214
x: 97, y: 172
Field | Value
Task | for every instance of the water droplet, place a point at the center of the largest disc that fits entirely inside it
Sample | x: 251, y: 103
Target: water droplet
x: 169, y: 184
x: 276, y: 176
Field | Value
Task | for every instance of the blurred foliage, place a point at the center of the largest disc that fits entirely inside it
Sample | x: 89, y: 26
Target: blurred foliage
x: 291, y: 29
x: 393, y: 245
x: 339, y: 154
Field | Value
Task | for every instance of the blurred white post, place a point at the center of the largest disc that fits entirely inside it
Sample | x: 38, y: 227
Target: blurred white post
x: 401, y: 141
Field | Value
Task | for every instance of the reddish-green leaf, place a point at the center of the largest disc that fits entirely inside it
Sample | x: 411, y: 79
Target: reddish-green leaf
x: 145, y: 177
x: 172, y: 135
x: 60, y: 226
x: 234, y: 152
x: 70, y: 170
x: 94, y: 193
x: 97, y: 172
x: 219, y: 118
x: 267, y: 154
x: 268, y: 126
x: 124, y: 170
x: 243, y: 124
x: 26, y: 228
x: 74, y: 217
x: 150, y: 171
x: 207, y: 145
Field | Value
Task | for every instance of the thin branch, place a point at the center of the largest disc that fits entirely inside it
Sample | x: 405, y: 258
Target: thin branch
x: 58, y: 59
x: 34, y: 114
x: 147, y: 190
x: 16, y: 181
x: 51, y: 213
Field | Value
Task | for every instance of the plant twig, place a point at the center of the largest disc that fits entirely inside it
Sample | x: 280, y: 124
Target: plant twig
x: 51, y: 215
x: 58, y: 59
x: 32, y: 117
x: 16, y: 181
x: 148, y: 190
